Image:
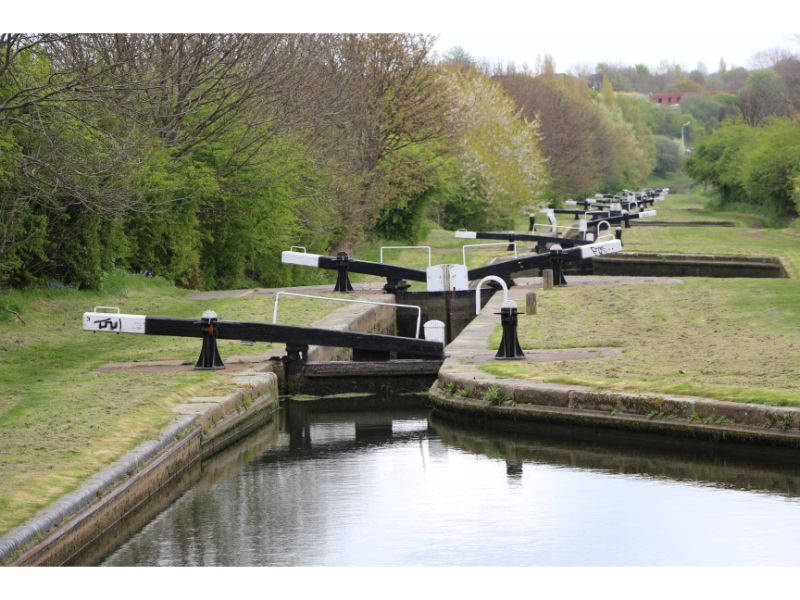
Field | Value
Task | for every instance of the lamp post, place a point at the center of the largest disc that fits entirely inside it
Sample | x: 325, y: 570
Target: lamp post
x: 683, y: 137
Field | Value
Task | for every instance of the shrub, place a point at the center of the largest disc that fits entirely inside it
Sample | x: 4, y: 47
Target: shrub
x: 668, y: 156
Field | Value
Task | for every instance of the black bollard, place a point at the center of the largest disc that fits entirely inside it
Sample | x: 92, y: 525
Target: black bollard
x: 557, y: 262
x: 296, y: 352
x: 509, y: 346
x: 209, y: 356
x: 393, y: 285
x: 511, y: 240
x: 342, y: 279
x: 531, y: 222
x: 618, y: 233
x: 626, y: 217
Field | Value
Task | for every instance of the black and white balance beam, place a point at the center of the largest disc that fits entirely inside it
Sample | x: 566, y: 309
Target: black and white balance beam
x: 438, y: 278
x: 553, y: 258
x: 297, y: 339
x: 512, y: 236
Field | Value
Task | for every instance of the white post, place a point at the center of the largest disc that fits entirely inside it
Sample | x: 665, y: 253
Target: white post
x: 683, y: 137
x: 434, y: 330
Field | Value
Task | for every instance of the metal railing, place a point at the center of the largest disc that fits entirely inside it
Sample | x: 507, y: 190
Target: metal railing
x: 607, y: 234
x: 464, y: 248
x: 279, y: 294
x: 506, y: 301
x: 291, y: 248
x: 407, y: 248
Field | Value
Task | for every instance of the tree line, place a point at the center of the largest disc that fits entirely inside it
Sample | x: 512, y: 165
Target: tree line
x: 750, y: 150
x: 743, y: 127
x: 199, y: 157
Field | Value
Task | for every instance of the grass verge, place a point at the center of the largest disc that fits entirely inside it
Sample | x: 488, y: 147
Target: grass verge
x: 728, y: 339
x: 60, y: 421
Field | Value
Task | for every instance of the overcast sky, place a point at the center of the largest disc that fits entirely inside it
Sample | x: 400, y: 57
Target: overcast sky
x: 572, y: 31
x: 629, y: 47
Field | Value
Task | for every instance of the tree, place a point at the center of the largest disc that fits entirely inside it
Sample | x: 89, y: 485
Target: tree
x: 764, y: 95
x: 497, y: 146
x: 668, y: 156
x: 590, y: 145
x: 396, y: 99
x: 709, y: 111
x: 789, y: 71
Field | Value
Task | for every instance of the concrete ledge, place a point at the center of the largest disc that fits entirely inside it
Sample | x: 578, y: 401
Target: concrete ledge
x: 649, y: 223
x: 365, y: 318
x: 696, y: 265
x: 461, y: 387
x: 677, y: 415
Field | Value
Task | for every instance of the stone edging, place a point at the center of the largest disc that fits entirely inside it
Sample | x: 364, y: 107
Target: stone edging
x: 215, y: 422
x: 675, y: 415
x: 212, y: 423
x: 94, y: 487
x: 649, y: 223
x: 461, y: 387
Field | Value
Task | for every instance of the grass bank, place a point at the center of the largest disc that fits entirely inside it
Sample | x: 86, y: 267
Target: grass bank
x: 60, y: 420
x: 728, y: 339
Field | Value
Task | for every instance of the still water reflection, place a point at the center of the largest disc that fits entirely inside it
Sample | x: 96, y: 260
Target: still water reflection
x: 404, y: 488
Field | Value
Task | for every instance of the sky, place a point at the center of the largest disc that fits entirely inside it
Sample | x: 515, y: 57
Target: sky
x: 574, y: 32
x: 628, y: 47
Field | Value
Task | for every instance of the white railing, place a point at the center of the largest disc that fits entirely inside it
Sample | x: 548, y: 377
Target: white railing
x: 407, y: 248
x: 506, y: 301
x: 97, y: 308
x: 291, y: 248
x: 464, y: 248
x: 279, y: 294
x: 607, y: 233
x: 549, y: 226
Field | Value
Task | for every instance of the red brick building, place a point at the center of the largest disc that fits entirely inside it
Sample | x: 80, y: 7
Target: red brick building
x: 668, y: 98
x: 674, y: 98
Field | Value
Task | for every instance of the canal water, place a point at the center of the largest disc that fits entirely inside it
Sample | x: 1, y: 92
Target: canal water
x: 411, y: 488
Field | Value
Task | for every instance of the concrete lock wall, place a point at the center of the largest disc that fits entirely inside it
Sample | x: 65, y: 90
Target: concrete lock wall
x: 643, y: 264
x: 688, y: 265
x: 455, y: 309
x: 469, y: 393
x: 336, y: 371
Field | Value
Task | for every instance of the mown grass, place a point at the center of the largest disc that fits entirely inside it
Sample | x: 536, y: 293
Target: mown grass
x: 60, y: 420
x: 729, y: 339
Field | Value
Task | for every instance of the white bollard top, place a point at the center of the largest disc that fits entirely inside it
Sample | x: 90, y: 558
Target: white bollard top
x: 434, y: 330
x: 508, y: 303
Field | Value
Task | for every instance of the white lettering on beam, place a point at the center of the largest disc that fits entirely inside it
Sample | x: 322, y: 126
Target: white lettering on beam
x: 601, y: 248
x: 113, y: 322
